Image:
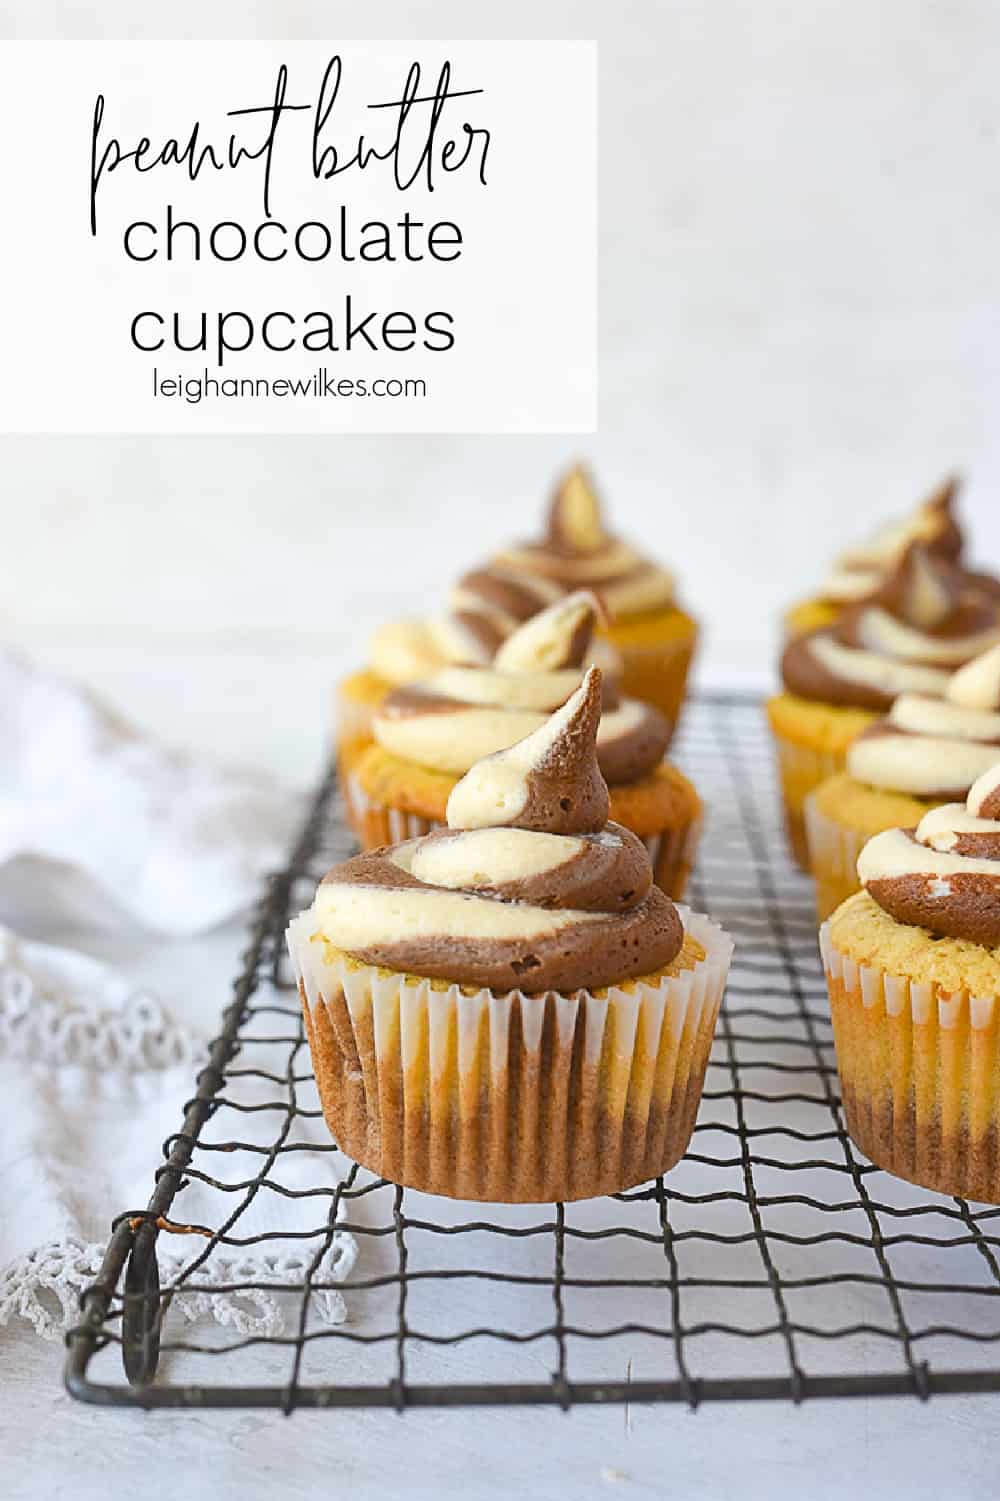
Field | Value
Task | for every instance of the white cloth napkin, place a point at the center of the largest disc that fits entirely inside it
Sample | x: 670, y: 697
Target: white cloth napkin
x: 93, y: 1076
x: 99, y: 824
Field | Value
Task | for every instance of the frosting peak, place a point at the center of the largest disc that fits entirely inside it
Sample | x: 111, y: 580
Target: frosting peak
x: 527, y: 888
x: 923, y: 591
x: 944, y: 875
x: 577, y: 551
x: 575, y: 521
x: 859, y: 570
x: 555, y: 638
x: 548, y: 781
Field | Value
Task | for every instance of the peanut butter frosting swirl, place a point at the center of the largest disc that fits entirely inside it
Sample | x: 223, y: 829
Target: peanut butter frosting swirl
x: 935, y: 748
x: 458, y: 715
x: 925, y: 620
x: 528, y: 887
x: 944, y: 875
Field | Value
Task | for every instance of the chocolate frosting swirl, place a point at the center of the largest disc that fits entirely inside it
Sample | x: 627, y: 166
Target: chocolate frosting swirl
x: 935, y: 748
x: 528, y: 888
x: 944, y: 875
x: 460, y: 714
x: 924, y: 621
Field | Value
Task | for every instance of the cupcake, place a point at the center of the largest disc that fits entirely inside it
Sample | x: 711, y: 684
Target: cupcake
x: 913, y: 968
x: 427, y: 735
x: 862, y: 569
x: 648, y: 640
x: 925, y: 752
x: 509, y: 1009
x: 926, y: 620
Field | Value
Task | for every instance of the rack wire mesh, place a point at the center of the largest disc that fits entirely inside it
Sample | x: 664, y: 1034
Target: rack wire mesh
x: 774, y: 1262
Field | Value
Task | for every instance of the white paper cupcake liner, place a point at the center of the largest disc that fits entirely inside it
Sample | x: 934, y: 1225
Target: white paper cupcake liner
x: 833, y: 858
x: 510, y: 1097
x: 920, y: 1075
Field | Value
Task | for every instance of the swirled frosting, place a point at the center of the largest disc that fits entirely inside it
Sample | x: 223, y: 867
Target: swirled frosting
x: 859, y: 570
x: 944, y: 875
x: 578, y: 551
x: 491, y: 602
x: 924, y: 621
x: 529, y: 887
x: 935, y: 748
x: 456, y: 716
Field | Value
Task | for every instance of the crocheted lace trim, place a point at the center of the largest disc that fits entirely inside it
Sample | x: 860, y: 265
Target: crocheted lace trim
x: 57, y: 1025
x: 44, y: 1286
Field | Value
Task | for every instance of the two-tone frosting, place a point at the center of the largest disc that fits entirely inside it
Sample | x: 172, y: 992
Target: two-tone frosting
x: 860, y: 570
x: 458, y: 715
x: 924, y: 622
x: 492, y: 601
x: 944, y: 875
x: 529, y: 887
x: 578, y: 552
x: 935, y: 748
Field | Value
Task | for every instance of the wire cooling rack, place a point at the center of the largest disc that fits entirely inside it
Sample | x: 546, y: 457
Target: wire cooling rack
x: 773, y: 1262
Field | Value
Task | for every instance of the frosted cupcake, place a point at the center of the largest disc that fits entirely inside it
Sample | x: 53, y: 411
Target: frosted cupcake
x: 925, y: 621
x: 429, y: 734
x: 913, y: 968
x: 509, y: 1009
x: 923, y: 753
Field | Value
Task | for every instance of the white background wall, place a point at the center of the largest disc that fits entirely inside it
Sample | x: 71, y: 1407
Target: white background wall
x: 799, y: 247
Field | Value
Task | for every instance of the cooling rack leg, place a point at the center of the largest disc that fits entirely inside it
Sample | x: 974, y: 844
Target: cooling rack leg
x: 140, y: 1316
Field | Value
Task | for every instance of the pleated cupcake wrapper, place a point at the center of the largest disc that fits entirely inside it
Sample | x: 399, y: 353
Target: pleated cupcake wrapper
x: 800, y: 771
x: 919, y: 1075
x: 657, y: 674
x: 833, y: 858
x: 353, y: 734
x: 510, y: 1098
x: 671, y: 852
x: 377, y: 825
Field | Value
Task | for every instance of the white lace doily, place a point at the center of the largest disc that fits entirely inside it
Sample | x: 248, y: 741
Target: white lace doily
x: 62, y: 1008
x: 44, y: 1286
x: 93, y: 1074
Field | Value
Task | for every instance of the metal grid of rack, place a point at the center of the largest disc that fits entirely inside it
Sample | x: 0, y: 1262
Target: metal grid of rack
x: 773, y: 1262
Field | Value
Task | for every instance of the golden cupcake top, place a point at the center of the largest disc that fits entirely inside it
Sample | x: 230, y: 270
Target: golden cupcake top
x: 935, y: 748
x: 944, y: 875
x: 926, y: 619
x: 529, y: 887
x: 459, y: 714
